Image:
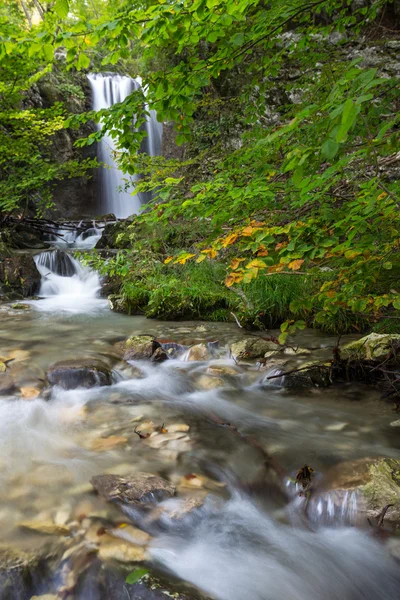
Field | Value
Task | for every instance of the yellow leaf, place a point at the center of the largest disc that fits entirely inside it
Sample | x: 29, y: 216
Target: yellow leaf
x: 235, y: 262
x: 382, y: 196
x: 258, y: 264
x: 201, y: 258
x: 257, y: 223
x: 168, y: 260
x: 281, y: 245
x: 230, y: 239
x: 181, y: 260
x: 210, y: 251
x: 351, y: 254
x: 295, y: 264
x: 247, y: 231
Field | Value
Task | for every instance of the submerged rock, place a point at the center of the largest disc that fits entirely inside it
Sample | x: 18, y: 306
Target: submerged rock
x: 370, y: 347
x: 139, y: 488
x: 112, y: 549
x: 7, y: 384
x: 45, y: 527
x: 85, y: 372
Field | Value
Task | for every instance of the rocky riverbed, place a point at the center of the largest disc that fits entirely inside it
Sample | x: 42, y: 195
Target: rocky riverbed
x: 127, y: 444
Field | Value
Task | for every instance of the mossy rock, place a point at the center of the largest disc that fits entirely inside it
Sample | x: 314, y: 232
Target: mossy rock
x: 312, y: 375
x: 370, y: 347
x: 139, y: 347
x: 375, y: 482
x: 252, y: 348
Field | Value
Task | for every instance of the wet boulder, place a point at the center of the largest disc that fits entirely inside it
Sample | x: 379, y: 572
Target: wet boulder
x: 370, y: 347
x: 252, y: 348
x: 87, y: 373
x: 358, y: 490
x: 19, y: 277
x: 139, y: 347
x: 7, y: 383
x: 199, y: 352
x: 138, y: 488
x: 307, y: 376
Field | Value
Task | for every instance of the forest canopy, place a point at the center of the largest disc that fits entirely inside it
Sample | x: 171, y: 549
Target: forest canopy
x: 289, y: 122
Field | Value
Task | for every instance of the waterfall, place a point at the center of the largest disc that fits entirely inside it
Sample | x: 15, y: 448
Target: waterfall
x: 71, y: 238
x: 109, y: 89
x: 67, y: 285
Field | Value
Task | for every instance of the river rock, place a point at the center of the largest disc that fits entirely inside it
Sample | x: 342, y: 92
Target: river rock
x: 199, y: 352
x: 209, y: 382
x: 159, y: 355
x: 114, y: 549
x: 85, y: 372
x: 19, y: 276
x: 139, y: 347
x: 45, y: 527
x: 374, y: 481
x: 222, y: 370
x: 252, y: 348
x: 370, y: 347
x: 7, y: 384
x: 311, y: 375
x: 138, y: 488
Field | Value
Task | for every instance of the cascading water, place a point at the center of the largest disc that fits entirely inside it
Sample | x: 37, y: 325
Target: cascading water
x: 107, y: 90
x: 74, y: 238
x: 66, y: 284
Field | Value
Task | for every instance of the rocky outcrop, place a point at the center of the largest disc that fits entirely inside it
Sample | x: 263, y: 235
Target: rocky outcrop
x: 87, y: 373
x: 19, y: 277
x: 139, y: 488
x: 139, y: 347
x: 252, y: 348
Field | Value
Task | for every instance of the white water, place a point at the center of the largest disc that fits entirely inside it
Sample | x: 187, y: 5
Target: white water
x: 107, y: 90
x: 70, y: 238
x: 78, y: 293
x: 240, y: 553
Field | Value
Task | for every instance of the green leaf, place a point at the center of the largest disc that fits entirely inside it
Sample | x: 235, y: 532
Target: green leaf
x: 396, y: 304
x: 48, y: 52
x: 136, y: 575
x: 387, y: 265
x: 83, y: 61
x: 62, y: 8
x: 329, y: 149
x: 238, y: 39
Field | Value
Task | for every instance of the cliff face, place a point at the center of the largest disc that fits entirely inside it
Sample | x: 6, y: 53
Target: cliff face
x: 73, y: 198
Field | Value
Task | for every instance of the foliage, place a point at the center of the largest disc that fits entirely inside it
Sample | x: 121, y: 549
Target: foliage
x: 298, y: 188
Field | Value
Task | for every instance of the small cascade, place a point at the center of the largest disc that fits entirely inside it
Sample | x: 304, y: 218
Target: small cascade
x: 76, y: 238
x: 66, y: 284
x: 109, y: 89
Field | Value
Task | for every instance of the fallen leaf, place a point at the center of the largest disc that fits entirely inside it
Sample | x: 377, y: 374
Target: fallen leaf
x: 295, y: 265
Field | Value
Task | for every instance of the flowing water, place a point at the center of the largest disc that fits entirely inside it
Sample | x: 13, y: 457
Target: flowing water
x: 115, y: 191
x: 248, y: 538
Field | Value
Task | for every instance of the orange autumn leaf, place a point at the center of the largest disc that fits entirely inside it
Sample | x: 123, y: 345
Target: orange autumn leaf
x: 233, y: 278
x: 235, y: 262
x: 210, y: 252
x: 262, y: 251
x: 281, y: 245
x: 295, y: 265
x: 168, y: 260
x: 247, y: 231
x: 276, y: 268
x: 230, y: 239
x: 331, y: 294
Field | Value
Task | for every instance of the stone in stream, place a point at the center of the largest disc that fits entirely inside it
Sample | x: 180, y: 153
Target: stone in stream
x: 138, y: 488
x: 252, y: 348
x: 139, y: 347
x: 362, y: 486
x: 85, y: 372
x: 7, y: 383
x: 159, y: 355
x: 199, y: 352
x: 370, y: 347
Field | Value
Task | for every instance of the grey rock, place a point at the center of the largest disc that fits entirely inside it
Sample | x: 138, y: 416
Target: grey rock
x: 138, y: 488
x: 19, y: 276
x: 85, y: 372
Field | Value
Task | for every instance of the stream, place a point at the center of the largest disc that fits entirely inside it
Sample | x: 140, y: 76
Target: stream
x: 245, y: 535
